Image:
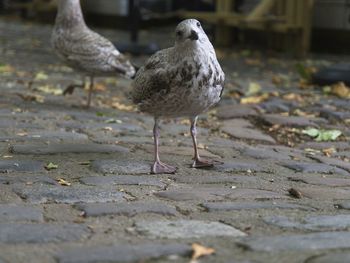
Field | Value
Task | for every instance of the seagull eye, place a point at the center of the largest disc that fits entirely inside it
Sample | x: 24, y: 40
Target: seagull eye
x: 198, y: 24
x: 179, y: 33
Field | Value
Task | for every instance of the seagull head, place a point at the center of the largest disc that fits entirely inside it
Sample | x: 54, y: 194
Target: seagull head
x: 189, y: 31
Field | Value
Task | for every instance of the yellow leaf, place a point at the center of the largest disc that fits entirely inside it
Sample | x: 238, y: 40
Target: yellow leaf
x: 63, y: 182
x: 293, y: 96
x: 255, y: 99
x: 254, y: 88
x: 49, y: 90
x: 123, y: 107
x: 41, y: 76
x: 340, y: 90
x: 200, y: 251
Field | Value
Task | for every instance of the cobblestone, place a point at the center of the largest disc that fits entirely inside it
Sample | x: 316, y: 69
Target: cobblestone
x: 122, y: 253
x: 102, y: 204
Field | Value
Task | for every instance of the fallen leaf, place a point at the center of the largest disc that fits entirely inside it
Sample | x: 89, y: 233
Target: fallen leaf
x: 255, y: 99
x: 200, y: 251
x: 253, y: 62
x: 100, y: 87
x: 22, y: 134
x: 254, y: 88
x: 6, y: 69
x: 63, y: 182
x: 295, y: 193
x: 123, y: 107
x: 340, y: 90
x: 107, y: 128
x: 322, y: 135
x: 85, y: 163
x: 293, y: 96
x: 329, y: 151
x: 31, y: 97
x: 41, y: 76
x: 51, y: 166
x: 49, y: 90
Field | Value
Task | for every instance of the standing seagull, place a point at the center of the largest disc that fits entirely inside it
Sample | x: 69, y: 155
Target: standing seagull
x: 181, y: 81
x: 82, y: 49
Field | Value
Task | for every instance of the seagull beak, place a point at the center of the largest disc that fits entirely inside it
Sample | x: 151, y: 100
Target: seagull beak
x: 194, y: 35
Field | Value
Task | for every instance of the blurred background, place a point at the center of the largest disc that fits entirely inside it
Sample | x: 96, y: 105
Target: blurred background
x: 292, y: 26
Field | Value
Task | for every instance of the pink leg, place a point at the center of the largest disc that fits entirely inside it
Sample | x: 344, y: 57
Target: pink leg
x: 91, y: 87
x: 158, y: 167
x: 198, y: 161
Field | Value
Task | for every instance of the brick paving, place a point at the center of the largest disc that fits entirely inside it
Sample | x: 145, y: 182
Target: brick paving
x: 100, y: 204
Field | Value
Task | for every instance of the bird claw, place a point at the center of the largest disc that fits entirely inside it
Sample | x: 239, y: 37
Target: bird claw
x: 203, y: 163
x: 162, y: 168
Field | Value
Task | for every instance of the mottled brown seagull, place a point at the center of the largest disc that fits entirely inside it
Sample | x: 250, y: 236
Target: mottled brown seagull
x: 85, y: 51
x: 181, y: 81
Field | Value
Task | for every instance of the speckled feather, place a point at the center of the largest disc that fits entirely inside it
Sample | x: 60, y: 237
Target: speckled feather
x: 83, y: 49
x: 181, y: 81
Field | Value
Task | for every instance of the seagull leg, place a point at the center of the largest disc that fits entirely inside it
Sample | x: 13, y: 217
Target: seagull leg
x: 91, y: 87
x: 198, y: 161
x: 71, y: 87
x: 158, y: 167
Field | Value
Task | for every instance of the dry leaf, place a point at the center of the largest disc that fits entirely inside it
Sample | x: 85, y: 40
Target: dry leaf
x: 295, y: 193
x: 340, y: 90
x: 49, y: 90
x: 253, y: 62
x: 254, y: 88
x: 293, y: 96
x: 123, y: 107
x: 255, y: 99
x: 41, y: 76
x: 22, y: 134
x: 6, y: 69
x: 51, y: 166
x: 31, y: 97
x: 200, y: 251
x: 100, y: 87
x: 329, y: 151
x: 63, y: 182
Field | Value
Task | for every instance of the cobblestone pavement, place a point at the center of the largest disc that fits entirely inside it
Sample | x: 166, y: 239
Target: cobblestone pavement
x: 280, y: 196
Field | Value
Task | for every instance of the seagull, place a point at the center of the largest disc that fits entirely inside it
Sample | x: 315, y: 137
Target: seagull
x: 85, y: 51
x: 181, y: 81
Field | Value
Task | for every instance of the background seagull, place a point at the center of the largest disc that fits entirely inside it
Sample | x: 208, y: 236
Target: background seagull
x: 181, y: 81
x: 82, y: 49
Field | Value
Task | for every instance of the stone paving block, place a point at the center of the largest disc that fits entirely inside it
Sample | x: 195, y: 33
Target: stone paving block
x: 235, y: 111
x: 213, y: 179
x: 180, y: 150
x: 263, y: 153
x: 324, y: 193
x: 122, y: 180
x: 299, y: 242
x: 320, y: 180
x: 8, y: 196
x: 232, y: 206
x: 20, y: 166
x: 317, y: 223
x: 66, y: 148
x: 38, y: 194
x: 294, y: 121
x: 186, y: 229
x: 212, y: 193
x: 314, y: 168
x: 15, y: 233
x: 325, y: 145
x: 127, y: 209
x: 48, y: 136
x: 20, y: 213
x: 333, y: 161
x: 245, y: 130
x: 122, y: 253
x: 333, y: 257
x: 275, y: 105
x: 121, y: 167
x: 27, y: 179
x: 240, y: 166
